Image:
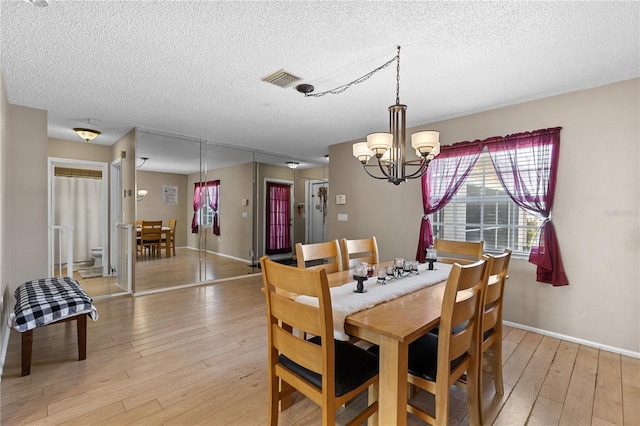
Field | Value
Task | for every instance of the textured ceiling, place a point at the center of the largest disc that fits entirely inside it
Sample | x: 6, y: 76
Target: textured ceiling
x: 195, y: 68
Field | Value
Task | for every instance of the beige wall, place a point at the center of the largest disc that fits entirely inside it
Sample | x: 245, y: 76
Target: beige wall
x: 5, y: 288
x: 236, y: 220
x: 596, y: 212
x: 152, y: 207
x: 79, y: 150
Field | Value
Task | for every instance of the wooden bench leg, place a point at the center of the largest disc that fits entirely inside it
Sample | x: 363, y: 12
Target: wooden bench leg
x: 81, y: 327
x: 27, y: 344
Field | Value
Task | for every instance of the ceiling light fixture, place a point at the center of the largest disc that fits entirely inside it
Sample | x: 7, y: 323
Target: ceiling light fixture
x: 141, y: 194
x: 292, y: 164
x: 389, y: 148
x: 86, y: 134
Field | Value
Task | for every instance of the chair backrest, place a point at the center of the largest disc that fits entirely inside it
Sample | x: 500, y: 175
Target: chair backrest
x: 282, y: 311
x: 172, y: 225
x: 321, y: 256
x: 462, y: 252
x: 459, y: 329
x: 139, y: 222
x: 492, y: 295
x: 151, y: 231
x: 362, y: 250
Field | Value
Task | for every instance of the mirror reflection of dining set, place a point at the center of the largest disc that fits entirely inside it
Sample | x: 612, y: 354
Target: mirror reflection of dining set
x: 152, y: 237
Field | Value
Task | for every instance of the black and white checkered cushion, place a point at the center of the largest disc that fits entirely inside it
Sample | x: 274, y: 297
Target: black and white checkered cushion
x: 43, y: 301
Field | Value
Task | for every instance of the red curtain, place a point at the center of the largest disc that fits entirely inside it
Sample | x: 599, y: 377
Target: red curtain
x: 213, y: 188
x: 197, y: 196
x: 278, y: 218
x: 444, y: 177
x: 532, y: 187
x: 526, y: 165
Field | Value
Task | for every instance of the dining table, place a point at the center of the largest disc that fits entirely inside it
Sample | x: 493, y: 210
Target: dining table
x: 166, y: 234
x: 393, y: 325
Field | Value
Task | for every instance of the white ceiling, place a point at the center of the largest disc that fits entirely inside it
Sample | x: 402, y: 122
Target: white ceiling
x: 195, y: 68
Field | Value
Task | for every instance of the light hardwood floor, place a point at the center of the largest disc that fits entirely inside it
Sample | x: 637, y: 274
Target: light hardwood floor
x: 198, y: 356
x: 172, y: 271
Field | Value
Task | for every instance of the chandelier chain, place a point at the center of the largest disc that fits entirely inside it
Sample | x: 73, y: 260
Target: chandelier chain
x: 365, y: 77
x: 398, y: 78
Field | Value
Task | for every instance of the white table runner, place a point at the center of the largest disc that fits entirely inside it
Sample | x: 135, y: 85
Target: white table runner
x: 345, y: 301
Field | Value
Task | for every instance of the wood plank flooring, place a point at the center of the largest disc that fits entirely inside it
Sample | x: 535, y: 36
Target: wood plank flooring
x: 198, y: 356
x: 172, y: 271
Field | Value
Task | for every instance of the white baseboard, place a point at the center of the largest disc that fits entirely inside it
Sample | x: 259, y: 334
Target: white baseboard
x: 222, y: 254
x: 574, y: 339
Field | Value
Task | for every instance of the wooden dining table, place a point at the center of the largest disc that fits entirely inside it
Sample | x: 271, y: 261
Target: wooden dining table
x: 166, y: 234
x: 392, y: 325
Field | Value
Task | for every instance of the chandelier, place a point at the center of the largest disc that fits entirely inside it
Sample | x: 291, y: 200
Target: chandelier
x: 389, y: 148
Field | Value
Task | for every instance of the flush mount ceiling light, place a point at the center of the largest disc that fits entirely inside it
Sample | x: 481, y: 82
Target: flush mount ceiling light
x: 292, y: 164
x: 86, y: 134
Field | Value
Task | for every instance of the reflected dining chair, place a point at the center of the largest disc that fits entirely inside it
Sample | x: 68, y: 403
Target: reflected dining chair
x: 320, y: 256
x: 150, y: 237
x: 437, y: 361
x: 168, y: 240
x: 463, y: 252
x: 361, y: 250
x: 327, y: 371
x: 491, y: 322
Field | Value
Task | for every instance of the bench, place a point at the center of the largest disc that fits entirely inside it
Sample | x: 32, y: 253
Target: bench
x: 50, y: 301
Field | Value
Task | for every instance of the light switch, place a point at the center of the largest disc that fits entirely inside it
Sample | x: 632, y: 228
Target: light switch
x: 343, y: 217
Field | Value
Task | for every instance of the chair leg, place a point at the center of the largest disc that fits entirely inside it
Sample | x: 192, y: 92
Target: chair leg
x: 474, y: 401
x: 274, y: 399
x: 496, y: 355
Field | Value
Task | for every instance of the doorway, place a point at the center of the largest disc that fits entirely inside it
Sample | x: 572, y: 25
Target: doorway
x: 278, y: 228
x: 78, y: 194
x: 316, y: 195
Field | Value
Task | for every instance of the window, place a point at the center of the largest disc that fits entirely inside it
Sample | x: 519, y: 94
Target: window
x: 483, y: 211
x: 205, y: 216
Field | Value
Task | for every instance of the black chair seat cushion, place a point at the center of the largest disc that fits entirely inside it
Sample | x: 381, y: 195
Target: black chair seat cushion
x: 354, y: 366
x: 423, y: 357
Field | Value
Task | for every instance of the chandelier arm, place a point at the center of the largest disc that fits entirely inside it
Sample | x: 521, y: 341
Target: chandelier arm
x: 421, y: 170
x: 365, y: 166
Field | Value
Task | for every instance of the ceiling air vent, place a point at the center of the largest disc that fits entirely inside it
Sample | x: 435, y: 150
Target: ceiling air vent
x: 281, y: 78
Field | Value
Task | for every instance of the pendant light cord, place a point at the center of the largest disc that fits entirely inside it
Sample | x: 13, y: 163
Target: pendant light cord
x: 365, y: 77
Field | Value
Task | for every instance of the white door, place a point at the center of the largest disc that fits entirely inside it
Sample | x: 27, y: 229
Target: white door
x: 317, y: 203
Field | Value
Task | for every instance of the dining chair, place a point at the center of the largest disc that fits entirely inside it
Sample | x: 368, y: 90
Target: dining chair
x: 463, y: 252
x: 437, y: 361
x: 168, y: 239
x: 150, y: 237
x: 361, y: 250
x: 491, y: 321
x: 327, y: 371
x: 320, y: 256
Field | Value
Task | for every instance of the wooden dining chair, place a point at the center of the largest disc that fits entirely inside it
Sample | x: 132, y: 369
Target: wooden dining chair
x: 150, y: 237
x: 168, y: 239
x: 327, y: 371
x: 361, y: 250
x: 437, y: 361
x: 463, y: 252
x: 320, y: 256
x: 491, y: 321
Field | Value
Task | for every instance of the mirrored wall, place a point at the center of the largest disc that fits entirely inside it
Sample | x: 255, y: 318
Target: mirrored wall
x: 230, y: 206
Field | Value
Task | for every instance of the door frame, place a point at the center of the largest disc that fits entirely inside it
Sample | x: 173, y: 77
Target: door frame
x: 264, y: 217
x: 52, y: 163
x: 309, y: 207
